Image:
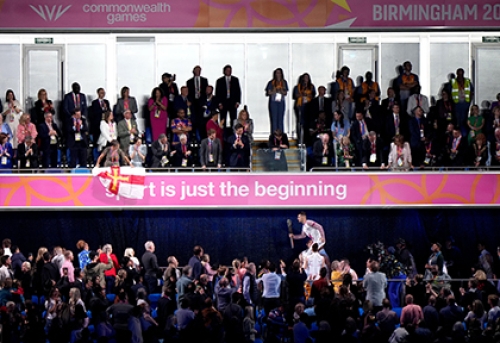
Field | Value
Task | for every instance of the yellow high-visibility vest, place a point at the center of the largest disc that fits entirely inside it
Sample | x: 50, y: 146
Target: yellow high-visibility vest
x: 455, y: 90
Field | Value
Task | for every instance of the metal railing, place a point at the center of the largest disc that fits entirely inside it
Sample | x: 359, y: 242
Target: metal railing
x: 88, y: 170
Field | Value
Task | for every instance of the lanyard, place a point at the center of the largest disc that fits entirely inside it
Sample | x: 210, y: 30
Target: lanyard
x: 456, y: 143
x: 428, y: 148
x: 76, y: 99
x: 276, y: 142
x: 374, y: 148
x: 400, y: 152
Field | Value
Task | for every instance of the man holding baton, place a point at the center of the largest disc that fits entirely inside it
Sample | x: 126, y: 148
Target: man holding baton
x: 312, y: 230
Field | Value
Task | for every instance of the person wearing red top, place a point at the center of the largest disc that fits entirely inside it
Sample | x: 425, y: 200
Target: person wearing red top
x: 319, y: 284
x: 216, y: 125
x: 107, y: 250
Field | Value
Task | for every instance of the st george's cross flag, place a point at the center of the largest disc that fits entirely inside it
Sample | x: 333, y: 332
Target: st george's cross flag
x: 126, y: 182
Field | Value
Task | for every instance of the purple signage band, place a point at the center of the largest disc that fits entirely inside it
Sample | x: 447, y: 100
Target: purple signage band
x: 342, y: 14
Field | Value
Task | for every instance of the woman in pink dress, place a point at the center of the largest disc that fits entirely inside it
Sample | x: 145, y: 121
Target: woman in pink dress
x: 157, y: 106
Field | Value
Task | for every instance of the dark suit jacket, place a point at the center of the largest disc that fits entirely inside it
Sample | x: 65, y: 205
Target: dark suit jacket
x: 40, y: 112
x: 205, y: 152
x: 384, y: 106
x: 221, y: 91
x: 96, y: 115
x: 158, y: 154
x: 43, y: 133
x: 390, y: 129
x: 356, y: 137
x: 367, y: 150
x: 69, y: 105
x: 312, y: 109
x: 70, y: 133
x: 239, y: 156
x: 33, y: 158
x: 192, y: 89
x: 461, y: 152
x: 414, y: 139
x: 274, y: 143
x: 177, y: 158
x: 179, y: 103
x: 318, y: 153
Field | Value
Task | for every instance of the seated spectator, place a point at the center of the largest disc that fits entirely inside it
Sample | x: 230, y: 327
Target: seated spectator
x: 239, y: 155
x: 161, y: 152
x: 180, y: 126
x: 6, y: 152
x: 26, y: 128
x: 346, y: 153
x: 49, y: 136
x: 400, y: 155
x: 183, y: 155
x: 411, y: 313
x: 137, y: 152
x: 387, y: 319
x: 112, y: 156
x: 478, y: 152
x: 211, y: 151
x: 278, y: 140
x: 127, y: 131
x: 28, y: 154
x: 372, y: 154
x: 245, y: 120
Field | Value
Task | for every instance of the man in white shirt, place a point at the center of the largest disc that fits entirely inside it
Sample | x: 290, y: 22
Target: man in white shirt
x: 314, y: 263
x: 418, y: 100
x: 5, y: 271
x: 271, y: 289
x: 315, y: 232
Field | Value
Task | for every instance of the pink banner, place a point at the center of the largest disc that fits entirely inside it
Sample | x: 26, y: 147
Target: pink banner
x: 248, y: 190
x: 162, y: 14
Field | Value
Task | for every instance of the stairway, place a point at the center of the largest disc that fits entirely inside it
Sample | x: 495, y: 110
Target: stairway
x: 263, y: 159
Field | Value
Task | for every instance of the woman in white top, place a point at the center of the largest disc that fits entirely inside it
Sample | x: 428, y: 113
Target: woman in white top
x: 130, y: 253
x: 400, y: 155
x: 12, y: 114
x: 108, y: 131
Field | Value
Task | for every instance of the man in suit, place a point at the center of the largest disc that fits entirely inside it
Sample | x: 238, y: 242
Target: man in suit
x: 99, y: 107
x: 457, y: 149
x: 182, y: 102
x: 417, y: 100
x: 28, y: 154
x: 387, y: 103
x: 183, y: 155
x: 323, y: 151
x: 211, y: 151
x: 372, y: 154
x: 359, y: 131
x: 396, y: 123
x: 197, y: 86
x: 239, y: 148
x: 76, y: 139
x: 320, y: 104
x: 373, y: 111
x: 127, y: 131
x: 419, y: 129
x: 161, y: 152
x: 74, y: 100
x: 228, y: 92
x: 49, y: 135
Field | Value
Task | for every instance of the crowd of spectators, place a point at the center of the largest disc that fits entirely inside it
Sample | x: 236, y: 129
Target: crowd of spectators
x: 342, y: 124
x: 101, y: 296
